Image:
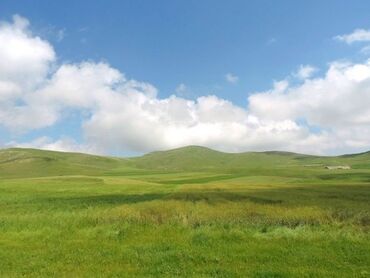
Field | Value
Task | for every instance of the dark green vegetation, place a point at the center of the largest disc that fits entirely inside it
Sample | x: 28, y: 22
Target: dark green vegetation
x: 190, y: 212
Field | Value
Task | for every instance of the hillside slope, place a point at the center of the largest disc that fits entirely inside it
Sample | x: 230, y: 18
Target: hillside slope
x: 201, y: 158
x: 17, y: 162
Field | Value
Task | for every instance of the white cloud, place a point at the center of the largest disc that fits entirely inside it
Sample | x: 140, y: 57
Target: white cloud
x: 305, y: 71
x: 181, y: 89
x: 119, y: 114
x: 60, y: 34
x: 337, y: 102
x: 143, y: 123
x: 231, y: 78
x: 25, y: 62
x: 365, y: 50
x: 25, y: 59
x: 358, y: 35
x: 64, y: 144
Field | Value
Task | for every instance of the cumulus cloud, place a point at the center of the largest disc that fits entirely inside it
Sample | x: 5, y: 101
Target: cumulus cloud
x: 337, y: 103
x: 358, y: 35
x: 340, y: 98
x: 327, y: 114
x: 25, y: 62
x: 231, y: 78
x: 305, y: 71
x: 25, y: 59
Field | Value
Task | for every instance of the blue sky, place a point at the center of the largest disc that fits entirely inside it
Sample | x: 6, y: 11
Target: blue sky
x: 196, y: 44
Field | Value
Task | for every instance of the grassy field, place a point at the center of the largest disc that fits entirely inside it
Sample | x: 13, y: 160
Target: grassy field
x: 190, y: 212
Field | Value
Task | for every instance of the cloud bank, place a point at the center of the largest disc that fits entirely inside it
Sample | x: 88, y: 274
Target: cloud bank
x: 327, y: 114
x: 358, y: 35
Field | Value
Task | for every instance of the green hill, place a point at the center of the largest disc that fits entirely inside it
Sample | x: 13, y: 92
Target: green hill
x: 17, y: 162
x: 201, y: 158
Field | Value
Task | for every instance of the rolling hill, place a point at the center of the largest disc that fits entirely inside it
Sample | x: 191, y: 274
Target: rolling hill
x: 201, y: 158
x: 187, y: 212
x: 19, y: 162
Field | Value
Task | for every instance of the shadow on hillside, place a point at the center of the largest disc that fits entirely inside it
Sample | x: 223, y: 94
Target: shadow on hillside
x: 308, y: 195
x: 220, y: 196
x: 211, y: 197
x: 101, y: 200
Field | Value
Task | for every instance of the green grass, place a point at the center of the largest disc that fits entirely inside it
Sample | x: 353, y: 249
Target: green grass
x: 190, y: 212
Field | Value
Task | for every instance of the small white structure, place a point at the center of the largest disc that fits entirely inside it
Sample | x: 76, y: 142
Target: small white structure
x: 339, y: 167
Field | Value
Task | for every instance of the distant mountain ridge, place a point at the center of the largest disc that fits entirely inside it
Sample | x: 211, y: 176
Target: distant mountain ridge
x: 196, y: 157
x: 19, y: 162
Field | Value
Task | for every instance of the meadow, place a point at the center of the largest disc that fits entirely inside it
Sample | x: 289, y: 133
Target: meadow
x: 189, y: 212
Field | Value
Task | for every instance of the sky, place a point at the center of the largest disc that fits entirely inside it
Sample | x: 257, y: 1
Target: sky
x: 130, y: 77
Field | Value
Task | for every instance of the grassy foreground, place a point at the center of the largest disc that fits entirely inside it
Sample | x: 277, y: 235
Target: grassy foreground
x: 190, y: 212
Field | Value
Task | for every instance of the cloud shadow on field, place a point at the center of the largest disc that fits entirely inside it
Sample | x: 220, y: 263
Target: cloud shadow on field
x: 101, y: 200
x: 307, y: 195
